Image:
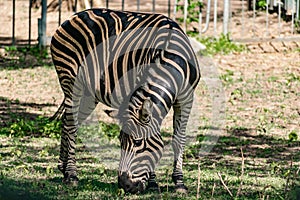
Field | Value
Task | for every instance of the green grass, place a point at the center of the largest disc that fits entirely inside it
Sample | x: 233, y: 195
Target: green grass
x: 221, y: 45
x: 268, y: 169
x: 25, y: 57
x: 28, y: 168
x: 257, y: 157
x: 41, y: 126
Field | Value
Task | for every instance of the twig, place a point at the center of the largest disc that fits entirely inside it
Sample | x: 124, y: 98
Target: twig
x: 288, y: 178
x: 159, y: 193
x: 213, y: 190
x: 167, y: 172
x: 264, y: 190
x: 242, y: 174
x: 225, y: 186
x: 198, y: 186
x: 267, y: 187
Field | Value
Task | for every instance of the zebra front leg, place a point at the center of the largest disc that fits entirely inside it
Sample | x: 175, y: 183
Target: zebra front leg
x: 180, y: 119
x: 152, y: 184
x: 177, y: 175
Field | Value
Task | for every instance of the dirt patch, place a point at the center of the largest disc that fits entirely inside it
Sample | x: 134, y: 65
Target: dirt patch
x: 262, y: 91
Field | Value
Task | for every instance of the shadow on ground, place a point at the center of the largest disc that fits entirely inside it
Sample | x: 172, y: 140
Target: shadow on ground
x: 23, y: 56
x: 35, y: 160
x: 11, y: 110
x: 30, y: 189
x: 253, y: 144
x: 24, y: 155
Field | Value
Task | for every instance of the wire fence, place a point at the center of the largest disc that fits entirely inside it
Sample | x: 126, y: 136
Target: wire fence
x: 34, y: 21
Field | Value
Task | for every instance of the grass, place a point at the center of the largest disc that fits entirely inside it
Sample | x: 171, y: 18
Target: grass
x: 257, y: 157
x: 220, y: 45
x: 28, y: 169
x: 28, y: 165
x: 24, y: 57
x: 41, y: 126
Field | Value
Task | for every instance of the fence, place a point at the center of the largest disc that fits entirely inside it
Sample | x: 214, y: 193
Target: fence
x: 25, y: 21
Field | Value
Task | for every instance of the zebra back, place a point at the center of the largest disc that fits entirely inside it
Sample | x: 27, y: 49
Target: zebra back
x: 116, y: 49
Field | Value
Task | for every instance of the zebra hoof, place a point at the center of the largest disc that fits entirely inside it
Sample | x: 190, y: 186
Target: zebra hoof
x: 153, y: 186
x: 62, y: 169
x: 71, y: 181
x: 181, y: 189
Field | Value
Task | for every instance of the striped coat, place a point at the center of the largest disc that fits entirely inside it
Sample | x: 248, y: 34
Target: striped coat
x: 140, y: 64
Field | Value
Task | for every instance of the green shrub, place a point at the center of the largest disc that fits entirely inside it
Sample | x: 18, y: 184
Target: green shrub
x: 24, y: 57
x: 220, y: 45
x: 39, y: 127
x: 261, y: 5
x: 34, y: 51
x: 193, y: 9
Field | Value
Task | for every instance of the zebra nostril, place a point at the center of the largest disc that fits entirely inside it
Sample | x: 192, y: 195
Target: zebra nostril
x: 127, y: 186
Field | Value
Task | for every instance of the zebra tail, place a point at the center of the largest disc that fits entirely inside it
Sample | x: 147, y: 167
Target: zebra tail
x: 59, y: 112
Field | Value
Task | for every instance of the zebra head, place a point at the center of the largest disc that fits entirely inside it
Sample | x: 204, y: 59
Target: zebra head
x: 141, y: 145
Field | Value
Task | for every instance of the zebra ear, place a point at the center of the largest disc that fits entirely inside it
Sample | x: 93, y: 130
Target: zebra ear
x: 146, y: 111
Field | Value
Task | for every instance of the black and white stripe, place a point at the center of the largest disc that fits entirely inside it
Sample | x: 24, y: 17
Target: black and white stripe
x: 139, y: 64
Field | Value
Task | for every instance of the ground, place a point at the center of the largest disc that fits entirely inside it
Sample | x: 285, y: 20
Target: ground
x: 262, y: 115
x: 256, y: 155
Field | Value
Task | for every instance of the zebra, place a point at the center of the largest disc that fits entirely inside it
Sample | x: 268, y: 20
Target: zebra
x: 139, y: 64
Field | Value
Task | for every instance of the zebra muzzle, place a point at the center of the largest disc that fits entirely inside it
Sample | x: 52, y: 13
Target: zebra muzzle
x: 125, y: 181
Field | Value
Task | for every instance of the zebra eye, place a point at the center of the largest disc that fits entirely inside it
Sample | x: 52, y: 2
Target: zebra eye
x: 138, y: 142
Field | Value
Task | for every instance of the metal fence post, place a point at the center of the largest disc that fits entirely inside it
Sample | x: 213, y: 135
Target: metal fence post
x: 226, y: 17
x: 297, y: 9
x: 207, y: 18
x: 175, y: 10
x: 59, y: 12
x: 75, y: 6
x: 293, y: 16
x: 169, y: 8
x: 254, y: 17
x: 243, y: 18
x: 138, y: 5
x: 13, y: 22
x: 42, y: 25
x: 215, y: 17
x: 185, y: 14
x: 200, y: 19
x: 29, y: 23
x: 279, y: 18
x: 267, y: 18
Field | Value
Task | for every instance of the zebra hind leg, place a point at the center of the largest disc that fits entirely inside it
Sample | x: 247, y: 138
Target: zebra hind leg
x: 72, y: 119
x: 67, y: 160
